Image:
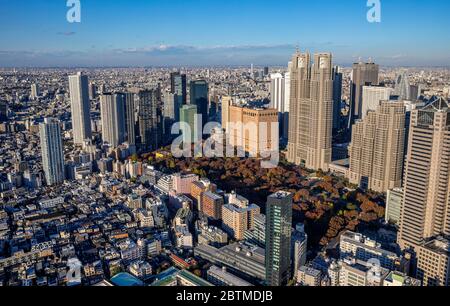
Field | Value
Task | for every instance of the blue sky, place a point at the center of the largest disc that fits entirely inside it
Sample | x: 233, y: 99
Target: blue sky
x: 221, y: 32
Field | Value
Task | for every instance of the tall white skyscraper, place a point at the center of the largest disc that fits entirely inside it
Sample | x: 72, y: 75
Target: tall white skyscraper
x: 81, y: 108
x: 372, y: 96
x: 112, y: 108
x: 52, y: 151
x: 277, y: 91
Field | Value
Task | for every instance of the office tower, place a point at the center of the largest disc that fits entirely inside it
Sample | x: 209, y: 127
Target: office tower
x: 149, y: 119
x: 277, y: 90
x: 3, y: 111
x: 287, y: 102
x: 188, y: 114
x: 372, y: 96
x: 337, y: 98
x: 112, y: 107
x: 92, y: 91
x: 394, y: 200
x: 35, y: 93
x: 52, y: 151
x: 80, y: 107
x: 199, y: 93
x: 311, y: 111
x: 278, y: 238
x: 130, y: 118
x: 251, y: 129
x: 178, y: 87
x: 172, y: 107
x: 377, y: 148
x: 266, y: 71
x: 227, y: 101
x: 426, y: 212
x: 364, y: 74
x: 278, y: 100
x: 402, y: 87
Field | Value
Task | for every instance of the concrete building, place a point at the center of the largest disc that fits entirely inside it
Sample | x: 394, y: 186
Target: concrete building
x: 212, y: 205
x: 238, y: 216
x: 242, y: 259
x: 80, y: 108
x: 307, y: 276
x: 182, y: 182
x: 299, y: 246
x: 372, y: 97
x: 221, y: 277
x: 278, y: 238
x: 359, y: 247
x: 311, y: 111
x: 394, y: 200
x: 112, y: 108
x: 363, y: 74
x: 433, y: 262
x: 425, y: 212
x: 149, y: 119
x: 253, y: 130
x: 188, y: 115
x: 399, y: 279
x: 52, y: 150
x: 130, y: 118
x: 257, y: 235
x: 377, y: 148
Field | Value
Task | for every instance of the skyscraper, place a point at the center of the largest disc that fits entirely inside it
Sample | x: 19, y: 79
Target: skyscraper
x: 199, y: 92
x: 364, y: 74
x: 80, y: 107
x: 35, y: 93
x: 112, y: 108
x: 377, y: 148
x: 188, y: 115
x: 337, y: 98
x: 402, y: 87
x: 52, y: 151
x: 172, y: 105
x: 426, y: 209
x: 278, y: 238
x: 277, y: 90
x: 149, y: 117
x: 311, y: 111
x: 372, y: 96
x: 130, y: 118
x: 178, y: 87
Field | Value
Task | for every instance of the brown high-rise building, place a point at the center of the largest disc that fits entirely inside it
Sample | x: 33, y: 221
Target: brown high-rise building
x: 251, y: 129
x: 364, y: 74
x: 377, y: 148
x: 311, y: 111
x: 211, y: 205
x: 426, y: 211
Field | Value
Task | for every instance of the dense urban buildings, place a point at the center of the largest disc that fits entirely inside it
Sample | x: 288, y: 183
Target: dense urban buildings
x: 119, y: 204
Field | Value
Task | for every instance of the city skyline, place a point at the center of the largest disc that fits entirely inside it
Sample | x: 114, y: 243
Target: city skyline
x: 169, y: 35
